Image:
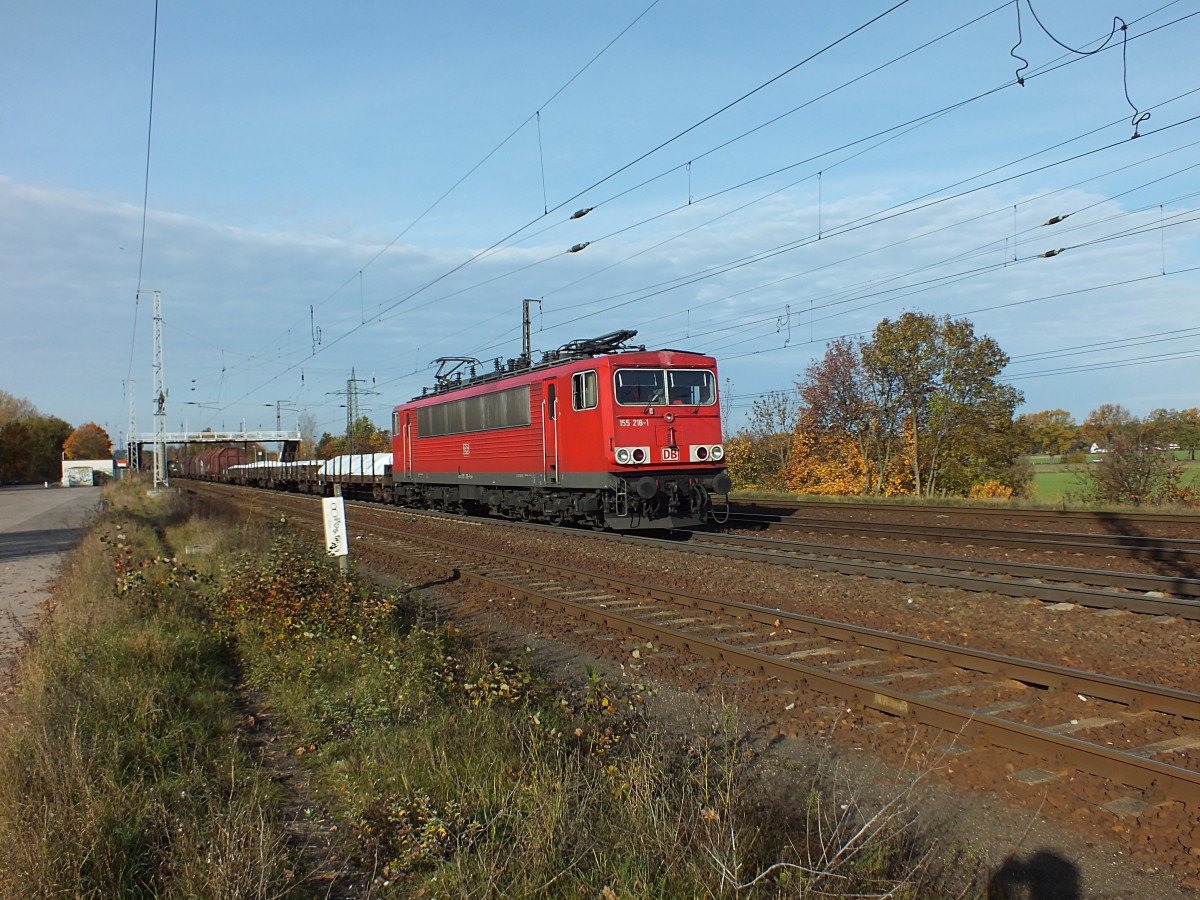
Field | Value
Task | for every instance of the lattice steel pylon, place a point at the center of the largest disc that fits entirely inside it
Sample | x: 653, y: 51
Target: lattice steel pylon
x: 131, y: 452
x: 160, y: 399
x: 352, y: 393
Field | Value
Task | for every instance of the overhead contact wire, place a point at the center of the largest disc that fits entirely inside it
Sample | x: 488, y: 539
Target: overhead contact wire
x: 145, y: 191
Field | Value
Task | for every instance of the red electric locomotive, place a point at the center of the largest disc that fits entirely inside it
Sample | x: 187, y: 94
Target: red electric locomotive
x: 597, y: 434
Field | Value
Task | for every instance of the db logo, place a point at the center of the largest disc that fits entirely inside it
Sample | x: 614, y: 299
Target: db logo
x: 670, y: 454
x: 466, y: 449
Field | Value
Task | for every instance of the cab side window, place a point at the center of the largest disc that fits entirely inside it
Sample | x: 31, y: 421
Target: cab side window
x: 584, y: 394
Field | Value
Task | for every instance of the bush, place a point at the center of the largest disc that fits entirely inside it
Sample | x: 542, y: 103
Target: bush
x: 991, y: 490
x: 1138, y: 475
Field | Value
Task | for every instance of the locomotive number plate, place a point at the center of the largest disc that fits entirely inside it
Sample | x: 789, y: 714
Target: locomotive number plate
x: 632, y: 423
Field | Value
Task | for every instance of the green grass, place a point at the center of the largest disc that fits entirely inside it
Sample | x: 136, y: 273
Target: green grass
x: 1053, y: 481
x: 1191, y: 474
x: 1053, y: 485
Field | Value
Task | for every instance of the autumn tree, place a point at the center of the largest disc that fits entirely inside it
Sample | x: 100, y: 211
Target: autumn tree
x: 924, y: 390
x: 364, y: 437
x: 329, y: 446
x: 1167, y: 427
x: 947, y: 388
x: 31, y: 448
x: 14, y: 409
x: 747, y: 469
x: 988, y: 461
x: 1051, y: 431
x: 1189, y: 430
x: 825, y: 463
x: 843, y: 400
x: 773, y: 420
x: 14, y: 451
x: 1107, y: 423
x: 88, y: 441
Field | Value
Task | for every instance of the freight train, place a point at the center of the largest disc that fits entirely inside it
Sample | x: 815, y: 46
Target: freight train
x: 597, y: 433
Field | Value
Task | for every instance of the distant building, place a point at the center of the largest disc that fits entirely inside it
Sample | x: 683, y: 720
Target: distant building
x: 86, y: 472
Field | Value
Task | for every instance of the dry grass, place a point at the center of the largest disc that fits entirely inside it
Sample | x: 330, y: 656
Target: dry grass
x: 121, y: 772
x: 462, y: 775
x: 445, y: 771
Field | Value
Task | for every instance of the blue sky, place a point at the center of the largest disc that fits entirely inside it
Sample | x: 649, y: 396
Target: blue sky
x: 372, y: 186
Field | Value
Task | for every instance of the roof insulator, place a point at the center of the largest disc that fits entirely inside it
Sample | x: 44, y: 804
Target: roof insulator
x: 1050, y: 253
x: 1055, y: 220
x: 578, y: 247
x: 580, y: 213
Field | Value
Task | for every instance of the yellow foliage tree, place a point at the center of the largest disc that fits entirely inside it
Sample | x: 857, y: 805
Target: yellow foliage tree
x: 822, y: 464
x: 831, y: 463
x: 745, y: 464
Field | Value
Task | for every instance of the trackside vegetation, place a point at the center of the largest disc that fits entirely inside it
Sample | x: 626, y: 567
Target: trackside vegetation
x: 136, y: 758
x: 122, y: 771
x: 920, y: 410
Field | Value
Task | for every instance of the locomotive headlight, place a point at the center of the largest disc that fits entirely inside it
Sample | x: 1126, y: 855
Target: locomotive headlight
x: 706, y: 453
x: 627, y: 456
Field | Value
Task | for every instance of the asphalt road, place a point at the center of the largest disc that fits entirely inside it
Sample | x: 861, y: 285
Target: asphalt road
x: 38, y: 527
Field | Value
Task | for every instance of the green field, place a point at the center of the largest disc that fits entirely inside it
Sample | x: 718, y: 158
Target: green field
x: 1053, y: 481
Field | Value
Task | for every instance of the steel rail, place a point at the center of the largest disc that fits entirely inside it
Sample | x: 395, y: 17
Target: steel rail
x: 1127, y: 581
x: 1134, y: 694
x: 1111, y: 519
x: 1067, y: 592
x: 996, y: 584
x: 1157, y: 779
x: 1149, y: 547
x: 1071, y: 577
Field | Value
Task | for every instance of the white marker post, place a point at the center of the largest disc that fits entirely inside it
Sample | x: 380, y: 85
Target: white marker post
x: 336, y: 541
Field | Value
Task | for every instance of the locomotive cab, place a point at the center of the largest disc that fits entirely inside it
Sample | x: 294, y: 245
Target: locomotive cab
x: 665, y: 448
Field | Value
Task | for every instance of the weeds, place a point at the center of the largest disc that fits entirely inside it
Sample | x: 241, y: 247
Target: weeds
x: 462, y: 774
x: 120, y: 769
x: 444, y: 771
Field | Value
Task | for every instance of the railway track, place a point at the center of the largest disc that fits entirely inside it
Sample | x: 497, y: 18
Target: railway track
x: 1098, y: 588
x: 1111, y: 522
x: 1183, y: 553
x: 1141, y: 736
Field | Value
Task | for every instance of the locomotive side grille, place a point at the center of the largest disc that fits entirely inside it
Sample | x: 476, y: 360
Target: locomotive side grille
x: 486, y: 412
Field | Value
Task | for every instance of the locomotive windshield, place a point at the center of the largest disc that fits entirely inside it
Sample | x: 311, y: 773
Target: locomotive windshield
x: 650, y: 387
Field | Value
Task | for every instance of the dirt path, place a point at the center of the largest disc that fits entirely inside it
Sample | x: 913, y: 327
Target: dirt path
x: 38, y: 527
